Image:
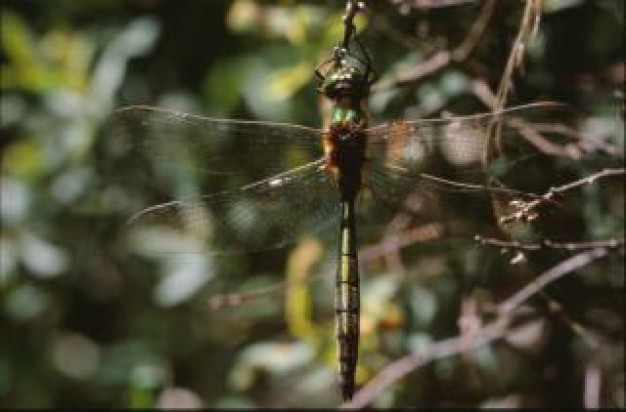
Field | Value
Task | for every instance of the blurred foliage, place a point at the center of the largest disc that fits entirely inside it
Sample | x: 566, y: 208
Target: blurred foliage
x: 87, y: 322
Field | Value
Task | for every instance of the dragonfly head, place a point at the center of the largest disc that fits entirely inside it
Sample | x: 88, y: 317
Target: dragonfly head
x: 344, y: 81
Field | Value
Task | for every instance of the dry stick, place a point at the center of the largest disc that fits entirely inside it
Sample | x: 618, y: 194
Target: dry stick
x: 563, y: 268
x: 483, y: 92
x: 528, y: 23
x: 353, y: 7
x: 546, y: 243
x: 532, y: 135
x: 528, y: 207
x: 588, y: 142
x: 532, y: 132
x: 493, y: 331
x: 430, y: 4
x: 463, y: 51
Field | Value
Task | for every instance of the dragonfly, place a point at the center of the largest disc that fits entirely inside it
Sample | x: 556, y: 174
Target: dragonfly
x: 235, y: 186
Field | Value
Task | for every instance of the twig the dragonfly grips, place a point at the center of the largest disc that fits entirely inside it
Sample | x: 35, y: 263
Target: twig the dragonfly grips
x: 340, y: 52
x: 352, y: 8
x: 342, y: 57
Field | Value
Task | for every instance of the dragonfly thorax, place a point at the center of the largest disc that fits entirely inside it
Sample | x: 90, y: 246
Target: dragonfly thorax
x: 344, y: 146
x: 348, y: 110
x: 344, y: 140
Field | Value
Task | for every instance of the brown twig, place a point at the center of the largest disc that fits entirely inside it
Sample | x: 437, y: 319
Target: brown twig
x: 429, y: 4
x: 439, y: 350
x: 528, y: 25
x: 463, y: 51
x: 546, y: 243
x: 587, y: 142
x: 567, y: 266
x: 492, y: 332
x: 483, y: 92
x: 394, y: 242
x: 532, y: 135
x: 526, y: 209
x: 353, y: 7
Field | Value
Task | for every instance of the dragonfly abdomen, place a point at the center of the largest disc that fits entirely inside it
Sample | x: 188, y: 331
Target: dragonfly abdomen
x: 347, y: 300
x: 345, y: 152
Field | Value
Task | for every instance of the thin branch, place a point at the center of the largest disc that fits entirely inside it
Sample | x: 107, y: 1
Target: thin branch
x: 587, y: 142
x: 528, y: 25
x: 526, y: 209
x: 567, y: 266
x: 532, y: 135
x: 483, y: 92
x: 353, y: 7
x: 487, y: 334
x: 589, y: 180
x: 429, y: 4
x: 462, y: 52
x: 396, y: 241
x: 546, y: 243
x: 442, y: 349
x: 434, y: 63
x: 223, y: 301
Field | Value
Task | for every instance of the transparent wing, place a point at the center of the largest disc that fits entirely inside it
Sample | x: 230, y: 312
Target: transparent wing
x: 211, y: 147
x: 267, y: 214
x: 190, y: 183
x: 454, y: 168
